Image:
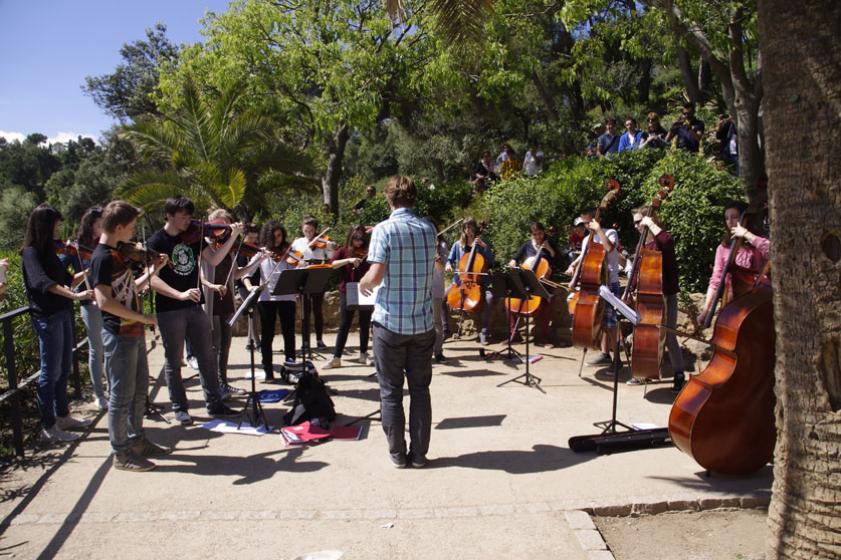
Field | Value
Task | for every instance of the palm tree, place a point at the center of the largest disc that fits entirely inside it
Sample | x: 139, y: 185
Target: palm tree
x: 213, y: 153
x: 458, y: 21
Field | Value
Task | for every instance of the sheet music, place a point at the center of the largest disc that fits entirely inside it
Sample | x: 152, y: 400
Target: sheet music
x: 619, y: 305
x: 360, y: 300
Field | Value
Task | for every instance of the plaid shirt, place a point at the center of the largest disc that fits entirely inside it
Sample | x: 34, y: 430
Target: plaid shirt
x: 406, y: 245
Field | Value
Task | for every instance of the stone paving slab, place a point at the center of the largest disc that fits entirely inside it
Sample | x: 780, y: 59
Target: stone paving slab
x: 501, y: 474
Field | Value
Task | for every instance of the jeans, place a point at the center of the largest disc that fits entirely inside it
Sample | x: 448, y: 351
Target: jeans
x: 191, y: 324
x: 55, y: 340
x: 222, y: 333
x: 397, y: 356
x: 128, y: 378
x: 92, y: 317
x: 344, y: 326
x: 269, y: 311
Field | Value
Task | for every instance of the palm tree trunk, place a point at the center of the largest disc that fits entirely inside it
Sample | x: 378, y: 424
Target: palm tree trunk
x: 801, y: 58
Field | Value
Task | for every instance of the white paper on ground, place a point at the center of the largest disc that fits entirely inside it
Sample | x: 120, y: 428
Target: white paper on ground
x: 644, y: 426
x: 228, y: 427
x: 321, y: 555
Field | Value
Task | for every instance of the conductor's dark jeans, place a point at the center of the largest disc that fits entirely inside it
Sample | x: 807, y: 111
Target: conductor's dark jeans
x: 395, y: 356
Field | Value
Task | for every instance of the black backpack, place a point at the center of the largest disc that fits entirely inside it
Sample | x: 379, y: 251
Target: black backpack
x: 311, y: 400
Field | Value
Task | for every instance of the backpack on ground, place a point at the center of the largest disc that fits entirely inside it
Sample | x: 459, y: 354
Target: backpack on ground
x: 311, y: 401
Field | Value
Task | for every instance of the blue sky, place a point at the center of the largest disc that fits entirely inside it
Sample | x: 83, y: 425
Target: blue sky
x: 47, y: 47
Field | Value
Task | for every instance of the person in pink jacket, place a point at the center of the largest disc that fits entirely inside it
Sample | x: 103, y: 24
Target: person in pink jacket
x: 752, y: 255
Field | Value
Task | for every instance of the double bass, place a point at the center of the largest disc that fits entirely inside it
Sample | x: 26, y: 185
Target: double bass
x: 724, y: 416
x: 585, y: 305
x: 645, y: 286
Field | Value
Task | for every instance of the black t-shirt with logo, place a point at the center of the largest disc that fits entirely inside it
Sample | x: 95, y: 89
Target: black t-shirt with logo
x: 184, y: 272
x: 109, y: 269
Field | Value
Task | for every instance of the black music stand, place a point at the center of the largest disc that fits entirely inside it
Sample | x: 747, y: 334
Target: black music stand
x: 257, y: 415
x: 308, y: 281
x: 610, y: 439
x: 502, y: 288
x: 524, y: 281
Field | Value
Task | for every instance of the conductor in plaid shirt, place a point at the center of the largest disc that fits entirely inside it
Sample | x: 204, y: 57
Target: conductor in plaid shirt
x: 401, y: 253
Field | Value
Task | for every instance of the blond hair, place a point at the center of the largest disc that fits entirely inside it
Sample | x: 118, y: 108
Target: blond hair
x: 400, y: 192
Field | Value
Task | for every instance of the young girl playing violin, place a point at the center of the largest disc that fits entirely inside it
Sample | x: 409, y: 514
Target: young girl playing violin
x: 49, y: 288
x: 314, y: 251
x: 469, y: 234
x: 270, y: 307
x: 752, y: 255
x: 664, y: 243
x: 351, y: 261
x: 218, y: 286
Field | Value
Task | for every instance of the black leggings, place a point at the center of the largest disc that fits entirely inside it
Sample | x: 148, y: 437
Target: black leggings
x: 269, y: 311
x: 315, y: 311
x: 344, y: 326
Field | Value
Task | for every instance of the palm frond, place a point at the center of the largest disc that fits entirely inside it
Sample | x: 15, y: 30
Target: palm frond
x: 150, y: 189
x: 234, y: 192
x: 460, y: 21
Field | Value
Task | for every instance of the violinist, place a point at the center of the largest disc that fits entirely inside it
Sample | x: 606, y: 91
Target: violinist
x: 314, y: 251
x: 469, y: 235
x: 538, y: 247
x: 124, y: 339
x: 246, y: 283
x: 751, y: 256
x: 664, y: 243
x: 90, y: 228
x: 178, y: 305
x: 49, y: 289
x: 218, y: 287
x: 352, y: 263
x: 274, y: 240
x: 439, y: 301
x: 609, y: 238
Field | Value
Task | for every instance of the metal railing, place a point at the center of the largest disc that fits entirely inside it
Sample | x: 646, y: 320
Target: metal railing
x: 15, y: 392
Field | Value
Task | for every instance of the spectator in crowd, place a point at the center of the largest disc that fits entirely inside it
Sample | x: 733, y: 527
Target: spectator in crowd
x: 728, y: 141
x: 576, y: 237
x: 655, y: 133
x: 592, y: 148
x: 502, y: 157
x: 688, y: 130
x: 511, y: 165
x: 533, y: 162
x: 4, y: 266
x: 370, y: 193
x: 483, y: 173
x: 608, y: 142
x: 633, y: 138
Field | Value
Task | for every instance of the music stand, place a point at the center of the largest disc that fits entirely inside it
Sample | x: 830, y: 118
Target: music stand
x: 309, y: 281
x: 501, y: 289
x: 253, y: 400
x: 524, y: 281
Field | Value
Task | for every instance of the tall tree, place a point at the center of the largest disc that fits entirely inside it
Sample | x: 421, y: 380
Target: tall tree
x: 127, y: 93
x: 802, y: 112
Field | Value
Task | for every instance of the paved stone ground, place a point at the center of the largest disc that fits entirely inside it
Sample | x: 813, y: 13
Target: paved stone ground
x: 501, y: 483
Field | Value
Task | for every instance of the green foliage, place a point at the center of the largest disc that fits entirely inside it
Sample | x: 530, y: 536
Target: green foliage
x: 15, y: 207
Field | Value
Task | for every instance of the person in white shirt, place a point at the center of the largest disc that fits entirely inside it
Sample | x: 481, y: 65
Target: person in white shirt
x: 313, y: 251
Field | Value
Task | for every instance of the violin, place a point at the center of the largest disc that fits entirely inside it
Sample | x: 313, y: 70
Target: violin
x: 137, y: 253
x: 724, y: 416
x: 645, y: 286
x: 360, y: 253
x: 73, y: 249
x: 198, y: 230
x: 585, y: 305
x: 320, y: 241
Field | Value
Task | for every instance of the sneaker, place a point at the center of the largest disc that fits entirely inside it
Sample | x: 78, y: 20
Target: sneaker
x: 193, y: 362
x: 102, y: 404
x: 231, y: 390
x: 419, y: 461
x: 483, y: 338
x: 129, y: 461
x: 221, y: 409
x: 399, y: 461
x: 183, y: 417
x: 363, y: 358
x: 249, y: 347
x: 634, y: 381
x: 70, y: 422
x: 332, y: 364
x: 440, y: 359
x: 320, y: 344
x: 56, y: 435
x: 146, y: 448
x: 602, y: 359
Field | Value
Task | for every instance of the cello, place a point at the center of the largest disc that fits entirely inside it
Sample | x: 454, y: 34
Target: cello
x: 724, y: 416
x: 466, y: 295
x: 645, y: 286
x: 540, y: 265
x: 585, y: 305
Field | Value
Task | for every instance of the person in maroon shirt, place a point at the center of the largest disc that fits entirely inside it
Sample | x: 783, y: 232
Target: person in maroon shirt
x: 352, y: 265
x: 664, y: 243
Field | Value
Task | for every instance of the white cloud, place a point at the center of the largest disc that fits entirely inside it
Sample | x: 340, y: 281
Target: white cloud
x: 59, y: 137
